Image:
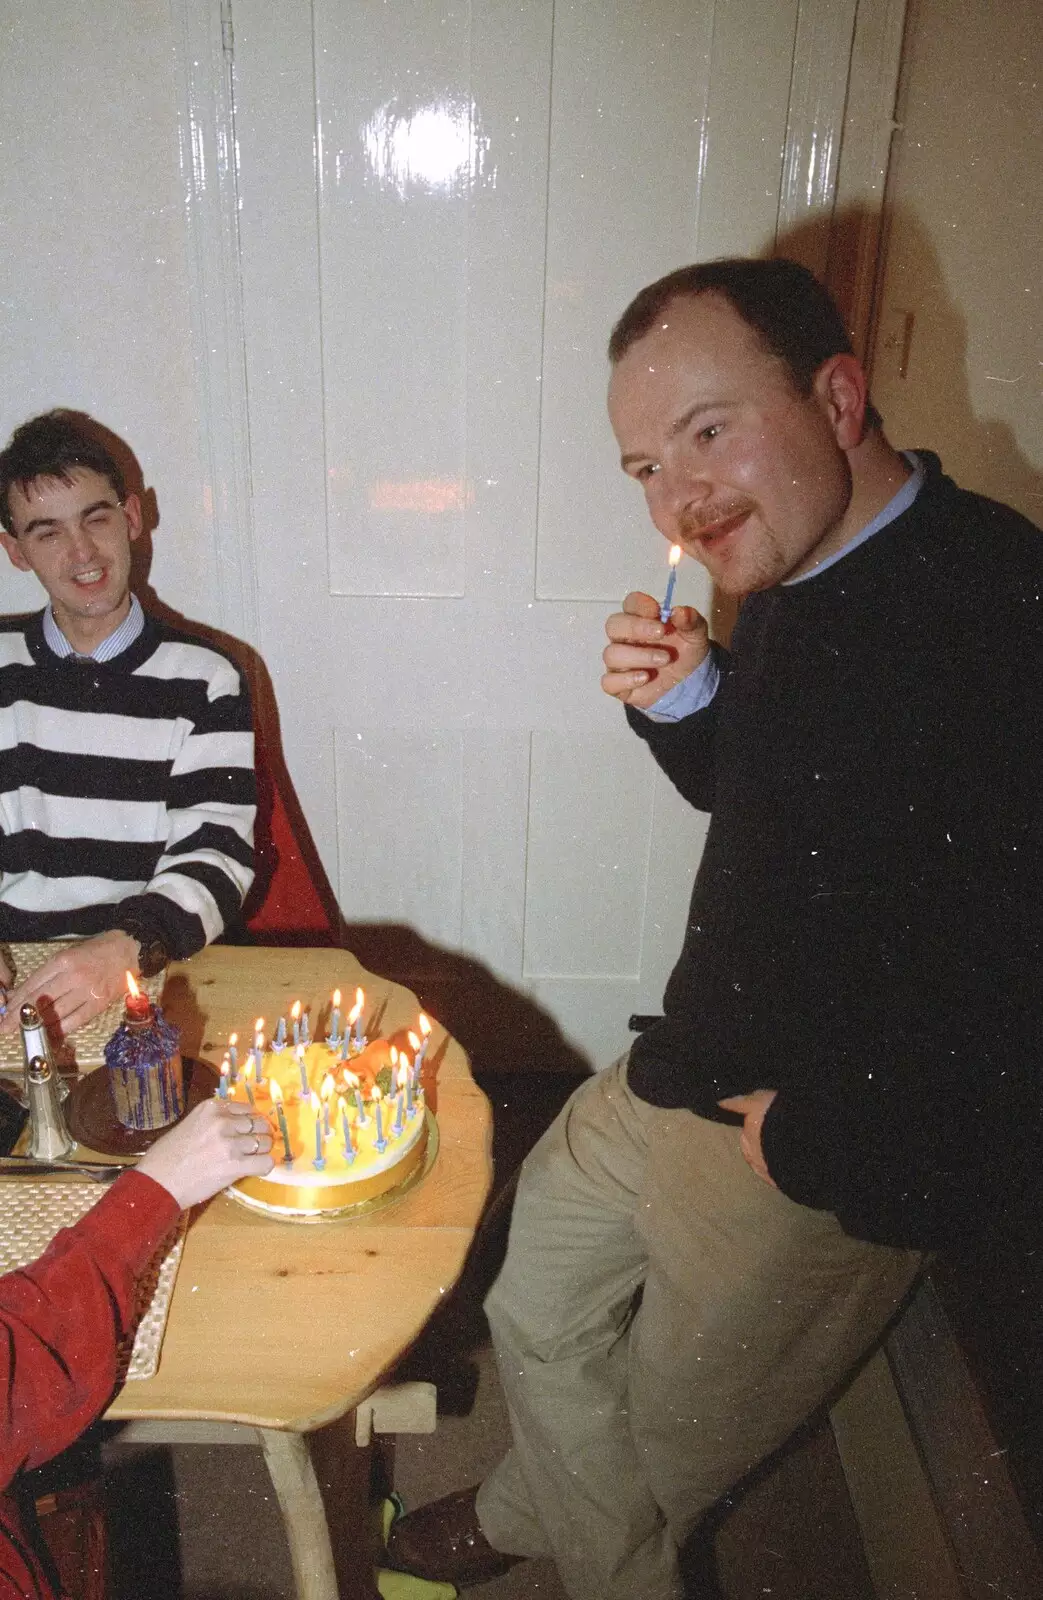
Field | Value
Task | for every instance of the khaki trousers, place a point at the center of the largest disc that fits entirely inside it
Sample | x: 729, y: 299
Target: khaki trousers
x: 631, y: 1415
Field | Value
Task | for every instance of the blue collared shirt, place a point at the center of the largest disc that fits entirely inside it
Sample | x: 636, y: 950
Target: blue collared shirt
x: 119, y: 640
x: 698, y: 689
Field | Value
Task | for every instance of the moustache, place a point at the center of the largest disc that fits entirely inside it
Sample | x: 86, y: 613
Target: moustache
x: 695, y: 522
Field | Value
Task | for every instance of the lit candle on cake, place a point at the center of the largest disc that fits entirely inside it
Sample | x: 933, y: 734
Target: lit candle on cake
x: 295, y: 1021
x: 425, y: 1039
x: 360, y: 1001
x: 303, y: 1069
x: 320, y: 1160
x: 222, y: 1080
x: 233, y: 1055
x: 397, y: 1125
x: 283, y: 1129
x: 353, y: 1085
x: 380, y: 1143
x: 334, y: 1033
x: 326, y: 1093
x: 248, y: 1072
x: 408, y: 1081
x: 400, y: 1111
x: 259, y: 1050
x: 279, y: 1042
x: 349, y: 1148
x: 667, y: 606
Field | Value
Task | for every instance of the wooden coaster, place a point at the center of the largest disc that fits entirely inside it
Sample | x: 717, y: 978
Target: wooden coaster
x: 91, y: 1115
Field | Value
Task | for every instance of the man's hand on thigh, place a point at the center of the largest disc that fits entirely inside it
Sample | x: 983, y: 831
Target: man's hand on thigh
x: 753, y: 1108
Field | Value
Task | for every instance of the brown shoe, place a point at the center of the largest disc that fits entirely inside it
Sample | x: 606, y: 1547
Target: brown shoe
x: 444, y: 1543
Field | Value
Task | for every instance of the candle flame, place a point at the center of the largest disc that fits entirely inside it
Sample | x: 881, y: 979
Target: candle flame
x: 353, y: 1014
x: 350, y: 1079
x: 328, y: 1087
x: 403, y: 1073
x: 233, y: 1038
x: 376, y: 1092
x: 394, y: 1057
x: 274, y: 1090
x: 295, y: 1011
x: 336, y: 999
x: 675, y: 554
x: 414, y: 1041
x: 248, y: 1071
x: 226, y: 1067
x: 425, y: 1026
x: 360, y: 998
x: 259, y: 1025
x: 132, y: 986
x: 259, y: 1041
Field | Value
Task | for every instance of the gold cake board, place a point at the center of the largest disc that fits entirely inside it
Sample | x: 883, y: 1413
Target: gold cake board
x: 425, y: 1151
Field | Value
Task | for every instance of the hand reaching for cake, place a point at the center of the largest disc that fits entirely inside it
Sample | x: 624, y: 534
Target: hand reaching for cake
x: 216, y: 1144
x: 645, y: 657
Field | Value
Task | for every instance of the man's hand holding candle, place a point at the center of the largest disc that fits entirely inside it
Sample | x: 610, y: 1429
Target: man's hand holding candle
x: 645, y: 657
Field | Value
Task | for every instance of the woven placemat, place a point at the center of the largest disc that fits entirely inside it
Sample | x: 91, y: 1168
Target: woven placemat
x: 32, y: 1212
x: 85, y: 1048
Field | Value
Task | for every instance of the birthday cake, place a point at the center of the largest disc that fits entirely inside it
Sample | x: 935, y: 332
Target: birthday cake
x: 349, y: 1117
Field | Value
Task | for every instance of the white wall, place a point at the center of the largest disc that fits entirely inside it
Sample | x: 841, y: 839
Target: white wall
x: 964, y: 254
x: 94, y: 288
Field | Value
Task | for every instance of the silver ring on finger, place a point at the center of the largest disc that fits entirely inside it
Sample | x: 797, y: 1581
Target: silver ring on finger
x: 257, y: 1145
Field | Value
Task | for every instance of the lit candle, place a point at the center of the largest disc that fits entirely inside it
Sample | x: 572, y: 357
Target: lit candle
x: 334, y: 1034
x: 279, y: 1042
x: 233, y: 1055
x: 380, y: 1142
x: 400, y: 1098
x: 248, y: 1068
x: 425, y: 1031
x: 259, y: 1050
x: 222, y: 1081
x: 319, y: 1161
x: 349, y: 1148
x: 353, y: 1084
x: 138, y: 1006
x: 283, y: 1129
x: 668, y: 604
x: 305, y: 1085
x: 327, y: 1095
x: 408, y: 1070
x: 417, y: 1056
x: 295, y: 1019
x: 360, y: 1001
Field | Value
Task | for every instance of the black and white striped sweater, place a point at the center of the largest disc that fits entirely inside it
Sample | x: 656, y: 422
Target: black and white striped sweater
x: 126, y: 789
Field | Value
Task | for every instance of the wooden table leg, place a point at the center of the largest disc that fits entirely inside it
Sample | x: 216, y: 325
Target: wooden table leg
x: 303, y: 1513
x: 321, y: 1480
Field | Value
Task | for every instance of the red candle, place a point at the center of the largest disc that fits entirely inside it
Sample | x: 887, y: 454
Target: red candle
x: 137, y: 1004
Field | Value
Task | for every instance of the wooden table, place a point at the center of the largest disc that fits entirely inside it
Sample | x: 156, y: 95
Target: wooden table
x: 285, y: 1328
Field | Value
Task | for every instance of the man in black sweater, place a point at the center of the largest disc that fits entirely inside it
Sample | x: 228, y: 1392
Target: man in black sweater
x: 846, y: 1072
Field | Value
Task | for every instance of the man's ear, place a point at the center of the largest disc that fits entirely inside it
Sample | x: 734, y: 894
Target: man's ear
x: 842, y: 390
x: 132, y: 512
x: 14, y: 550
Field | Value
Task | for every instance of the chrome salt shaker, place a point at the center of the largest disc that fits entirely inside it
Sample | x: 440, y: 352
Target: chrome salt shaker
x: 36, y: 1043
x: 49, y: 1136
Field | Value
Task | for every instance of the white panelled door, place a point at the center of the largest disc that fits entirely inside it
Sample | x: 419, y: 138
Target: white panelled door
x: 442, y: 208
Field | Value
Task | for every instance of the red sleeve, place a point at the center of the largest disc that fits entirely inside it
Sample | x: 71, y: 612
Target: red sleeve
x: 63, y: 1318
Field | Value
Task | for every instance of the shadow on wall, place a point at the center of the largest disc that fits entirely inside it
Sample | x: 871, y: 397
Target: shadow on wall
x: 936, y: 413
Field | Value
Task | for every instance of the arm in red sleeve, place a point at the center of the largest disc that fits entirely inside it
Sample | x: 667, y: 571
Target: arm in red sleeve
x: 63, y: 1318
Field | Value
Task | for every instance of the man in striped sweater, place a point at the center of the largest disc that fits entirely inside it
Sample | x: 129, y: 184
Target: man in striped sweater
x: 127, y: 792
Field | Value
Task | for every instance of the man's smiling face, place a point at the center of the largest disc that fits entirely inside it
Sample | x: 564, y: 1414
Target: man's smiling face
x: 76, y: 537
x: 738, y: 467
